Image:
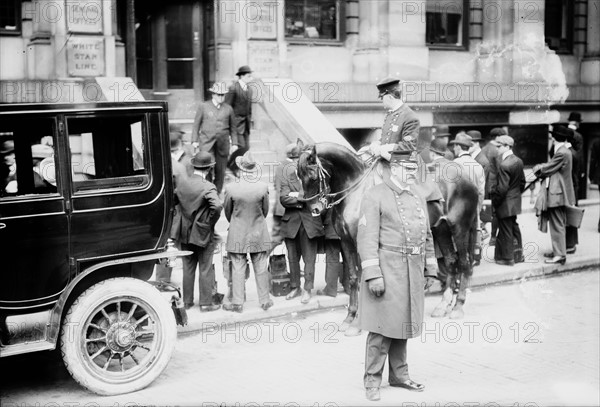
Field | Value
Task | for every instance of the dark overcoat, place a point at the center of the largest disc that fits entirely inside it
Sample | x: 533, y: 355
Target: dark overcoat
x: 510, y: 186
x: 297, y: 213
x: 246, y: 207
x: 392, y: 220
x: 197, y: 212
x: 482, y: 159
x: 214, y: 128
x: 241, y: 102
x: 492, y: 154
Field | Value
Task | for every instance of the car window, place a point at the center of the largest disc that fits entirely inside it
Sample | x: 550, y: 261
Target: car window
x: 108, y: 152
x: 28, y: 160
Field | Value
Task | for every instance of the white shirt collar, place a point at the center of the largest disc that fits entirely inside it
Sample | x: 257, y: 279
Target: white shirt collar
x: 217, y: 105
x: 506, y: 154
x: 177, y: 154
x: 558, y: 145
x: 243, y: 84
x: 400, y: 103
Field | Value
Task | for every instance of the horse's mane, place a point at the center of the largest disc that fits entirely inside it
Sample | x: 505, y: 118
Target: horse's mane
x: 342, y: 164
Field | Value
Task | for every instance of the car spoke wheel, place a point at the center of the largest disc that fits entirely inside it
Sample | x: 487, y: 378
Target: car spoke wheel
x: 118, y: 336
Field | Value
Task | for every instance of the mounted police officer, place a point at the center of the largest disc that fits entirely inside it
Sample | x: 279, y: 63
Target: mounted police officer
x: 395, y: 245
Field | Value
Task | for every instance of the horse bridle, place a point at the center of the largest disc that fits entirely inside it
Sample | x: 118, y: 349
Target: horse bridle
x: 329, y: 199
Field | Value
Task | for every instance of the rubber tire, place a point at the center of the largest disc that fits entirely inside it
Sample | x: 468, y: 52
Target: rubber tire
x: 88, y: 303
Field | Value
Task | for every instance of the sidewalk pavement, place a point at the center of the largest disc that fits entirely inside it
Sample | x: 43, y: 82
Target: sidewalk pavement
x: 535, y: 244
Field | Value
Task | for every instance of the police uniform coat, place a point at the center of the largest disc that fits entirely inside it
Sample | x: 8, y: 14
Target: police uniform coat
x: 296, y: 212
x: 393, y: 220
x: 246, y: 207
x: 401, y: 127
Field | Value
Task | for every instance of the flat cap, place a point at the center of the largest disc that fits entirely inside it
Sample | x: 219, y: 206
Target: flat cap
x: 505, y: 140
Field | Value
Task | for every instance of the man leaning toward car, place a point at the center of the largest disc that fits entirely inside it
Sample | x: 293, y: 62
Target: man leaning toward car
x: 199, y: 211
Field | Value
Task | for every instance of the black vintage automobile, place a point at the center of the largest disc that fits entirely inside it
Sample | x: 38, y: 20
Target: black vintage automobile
x: 85, y: 201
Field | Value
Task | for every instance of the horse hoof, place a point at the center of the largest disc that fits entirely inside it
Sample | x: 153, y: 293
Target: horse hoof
x: 440, y: 311
x: 457, y: 313
x: 344, y: 326
x: 352, y: 331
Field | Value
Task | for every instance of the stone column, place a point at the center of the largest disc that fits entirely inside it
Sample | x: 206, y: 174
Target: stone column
x: 367, y: 41
x: 495, y: 54
x: 590, y: 66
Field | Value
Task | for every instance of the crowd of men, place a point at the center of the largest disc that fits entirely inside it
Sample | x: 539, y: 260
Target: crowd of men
x: 395, y: 242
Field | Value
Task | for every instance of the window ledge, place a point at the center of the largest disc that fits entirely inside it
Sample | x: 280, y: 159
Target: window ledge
x: 312, y: 42
x: 447, y: 47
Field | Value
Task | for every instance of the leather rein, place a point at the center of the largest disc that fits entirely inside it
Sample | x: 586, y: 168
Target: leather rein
x: 329, y: 199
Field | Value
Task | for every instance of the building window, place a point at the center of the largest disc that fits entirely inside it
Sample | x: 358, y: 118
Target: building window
x: 558, y: 29
x: 312, y: 19
x: 10, y: 17
x: 447, y: 23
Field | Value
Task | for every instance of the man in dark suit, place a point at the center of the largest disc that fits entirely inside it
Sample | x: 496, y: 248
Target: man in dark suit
x: 239, y: 98
x: 214, y: 130
x: 246, y: 207
x: 490, y: 149
x: 198, y: 212
x: 333, y: 266
x: 595, y: 167
x: 507, y: 201
x: 301, y: 231
x: 558, y: 187
x: 579, y: 159
x: 283, y: 169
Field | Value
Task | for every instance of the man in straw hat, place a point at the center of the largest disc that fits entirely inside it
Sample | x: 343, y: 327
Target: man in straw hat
x: 246, y: 208
x: 395, y: 246
x: 214, y: 130
x: 239, y: 98
x: 198, y: 212
x: 559, y: 191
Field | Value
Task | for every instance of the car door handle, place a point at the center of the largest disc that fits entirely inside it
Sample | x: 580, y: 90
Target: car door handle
x: 2, y: 225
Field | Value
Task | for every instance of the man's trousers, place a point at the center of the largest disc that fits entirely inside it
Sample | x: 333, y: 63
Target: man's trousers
x: 302, y: 246
x: 557, y: 223
x: 260, y: 263
x: 509, y: 244
x: 203, y: 258
x: 379, y: 348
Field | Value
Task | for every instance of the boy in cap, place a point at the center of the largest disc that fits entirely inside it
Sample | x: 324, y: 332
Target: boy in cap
x: 507, y: 203
x: 395, y: 245
x: 214, y: 130
x: 239, y: 98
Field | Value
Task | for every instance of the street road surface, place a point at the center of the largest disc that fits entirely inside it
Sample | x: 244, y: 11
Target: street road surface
x: 525, y: 344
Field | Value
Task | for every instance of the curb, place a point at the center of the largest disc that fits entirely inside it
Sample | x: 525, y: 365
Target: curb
x: 515, y: 274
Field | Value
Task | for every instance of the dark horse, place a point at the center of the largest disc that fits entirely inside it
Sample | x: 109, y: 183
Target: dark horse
x: 333, y: 177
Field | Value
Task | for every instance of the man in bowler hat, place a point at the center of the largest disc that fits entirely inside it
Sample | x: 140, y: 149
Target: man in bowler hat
x: 214, y: 130
x: 239, y: 98
x: 198, y: 212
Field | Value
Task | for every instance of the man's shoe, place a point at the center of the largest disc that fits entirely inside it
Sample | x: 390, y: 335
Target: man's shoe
x: 571, y: 250
x: 372, y: 394
x: 520, y: 260
x: 505, y: 262
x: 305, y: 297
x: 410, y: 385
x: 294, y: 293
x: 267, y: 305
x: 492, y: 241
x: 188, y: 306
x: 233, y: 307
x: 549, y: 255
x: 322, y: 292
x: 556, y: 260
x: 209, y: 308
